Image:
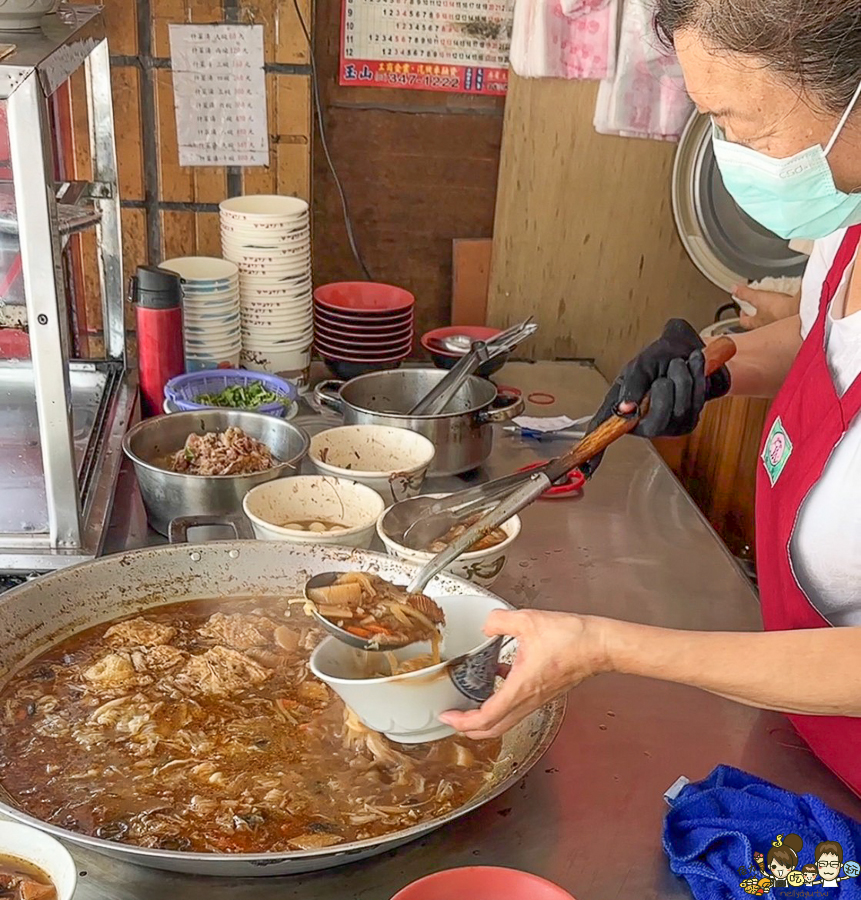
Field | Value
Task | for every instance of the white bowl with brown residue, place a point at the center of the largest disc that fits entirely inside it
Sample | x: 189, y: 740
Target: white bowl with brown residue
x: 392, y: 461
x: 287, y: 509
x: 406, y: 707
x: 42, y: 859
x: 481, y: 567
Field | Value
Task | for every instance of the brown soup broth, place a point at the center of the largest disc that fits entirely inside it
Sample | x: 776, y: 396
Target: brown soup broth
x: 20, y: 879
x: 198, y: 726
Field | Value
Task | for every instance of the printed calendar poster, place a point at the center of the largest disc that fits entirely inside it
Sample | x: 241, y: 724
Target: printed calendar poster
x: 427, y: 45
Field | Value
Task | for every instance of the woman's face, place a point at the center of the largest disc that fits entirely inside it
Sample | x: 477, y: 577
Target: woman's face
x: 759, y: 109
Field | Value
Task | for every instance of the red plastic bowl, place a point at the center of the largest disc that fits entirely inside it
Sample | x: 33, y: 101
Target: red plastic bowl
x: 381, y: 327
x: 482, y: 883
x: 356, y: 355
x: 445, y: 359
x: 364, y: 347
x: 368, y: 297
x: 431, y: 340
x: 371, y: 334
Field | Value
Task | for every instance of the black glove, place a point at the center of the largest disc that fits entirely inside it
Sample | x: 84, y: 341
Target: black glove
x: 672, y: 371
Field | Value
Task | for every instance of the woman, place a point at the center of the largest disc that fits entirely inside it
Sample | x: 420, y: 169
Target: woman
x: 781, y: 80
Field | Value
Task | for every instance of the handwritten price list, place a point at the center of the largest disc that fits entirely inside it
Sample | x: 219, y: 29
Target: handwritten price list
x: 220, y: 95
x: 427, y: 45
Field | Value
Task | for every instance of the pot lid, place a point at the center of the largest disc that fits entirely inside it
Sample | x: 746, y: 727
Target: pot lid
x: 723, y: 242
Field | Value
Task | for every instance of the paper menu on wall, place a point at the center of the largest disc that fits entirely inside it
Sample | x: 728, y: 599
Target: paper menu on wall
x: 431, y: 45
x: 219, y: 89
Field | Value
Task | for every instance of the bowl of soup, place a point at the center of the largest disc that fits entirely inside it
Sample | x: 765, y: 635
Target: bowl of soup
x: 402, y: 693
x: 481, y: 565
x: 34, y: 866
x: 314, y: 509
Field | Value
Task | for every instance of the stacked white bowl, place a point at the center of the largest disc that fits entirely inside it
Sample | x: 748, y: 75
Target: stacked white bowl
x: 268, y: 237
x: 210, y: 311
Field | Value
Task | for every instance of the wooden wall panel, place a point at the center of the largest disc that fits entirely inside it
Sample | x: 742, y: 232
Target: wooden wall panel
x: 176, y: 182
x: 178, y: 233
x: 127, y: 122
x: 584, y: 235
x: 419, y: 169
x: 471, y: 281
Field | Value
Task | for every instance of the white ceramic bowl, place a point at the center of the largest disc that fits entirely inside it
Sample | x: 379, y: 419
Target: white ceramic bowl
x: 278, y: 292
x: 304, y: 498
x: 482, y: 567
x: 266, y: 206
x: 293, y: 365
x: 392, y: 461
x: 193, y: 364
x: 406, y: 708
x: 44, y: 852
x: 205, y: 269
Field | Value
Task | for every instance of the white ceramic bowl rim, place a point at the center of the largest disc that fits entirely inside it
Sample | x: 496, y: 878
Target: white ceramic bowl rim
x: 421, y: 442
x: 513, y: 525
x: 389, y: 679
x: 268, y: 206
x: 335, y: 482
x: 201, y: 268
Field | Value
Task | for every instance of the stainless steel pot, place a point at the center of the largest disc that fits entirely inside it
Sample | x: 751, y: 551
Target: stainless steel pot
x: 170, y: 495
x: 463, y: 438
x: 38, y: 614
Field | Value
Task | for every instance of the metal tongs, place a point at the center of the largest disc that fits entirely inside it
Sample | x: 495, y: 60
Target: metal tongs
x: 445, y: 390
x: 538, y: 481
x: 514, y: 492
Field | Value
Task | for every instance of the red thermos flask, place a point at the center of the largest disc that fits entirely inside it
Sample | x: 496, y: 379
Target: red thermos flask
x: 157, y: 296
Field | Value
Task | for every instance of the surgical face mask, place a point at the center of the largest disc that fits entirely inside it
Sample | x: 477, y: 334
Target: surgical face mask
x: 794, y: 197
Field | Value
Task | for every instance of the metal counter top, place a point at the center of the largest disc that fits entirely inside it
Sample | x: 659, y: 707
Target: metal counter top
x: 589, y: 815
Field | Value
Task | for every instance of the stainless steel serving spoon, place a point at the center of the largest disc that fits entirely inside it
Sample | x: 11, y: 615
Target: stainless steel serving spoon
x: 433, y: 567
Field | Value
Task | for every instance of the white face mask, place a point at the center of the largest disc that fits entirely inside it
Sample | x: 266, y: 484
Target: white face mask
x: 794, y: 197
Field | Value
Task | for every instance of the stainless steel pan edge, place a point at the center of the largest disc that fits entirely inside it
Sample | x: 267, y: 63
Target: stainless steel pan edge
x: 38, y: 614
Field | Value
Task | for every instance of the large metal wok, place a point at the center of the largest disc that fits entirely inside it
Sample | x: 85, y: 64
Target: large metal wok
x: 37, y: 615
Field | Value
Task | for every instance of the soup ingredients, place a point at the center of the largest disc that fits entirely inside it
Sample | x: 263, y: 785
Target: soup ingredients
x: 240, y: 396
x: 491, y: 539
x: 314, y: 525
x: 198, y: 726
x: 369, y: 607
x: 20, y: 880
x: 230, y: 452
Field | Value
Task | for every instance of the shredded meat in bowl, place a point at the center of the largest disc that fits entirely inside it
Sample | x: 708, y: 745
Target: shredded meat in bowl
x: 199, y: 727
x: 230, y: 452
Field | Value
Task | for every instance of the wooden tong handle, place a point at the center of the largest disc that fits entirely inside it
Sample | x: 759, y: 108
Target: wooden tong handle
x: 717, y: 354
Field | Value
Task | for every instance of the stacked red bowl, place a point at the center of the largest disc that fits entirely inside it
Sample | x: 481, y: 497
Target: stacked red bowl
x: 363, y: 326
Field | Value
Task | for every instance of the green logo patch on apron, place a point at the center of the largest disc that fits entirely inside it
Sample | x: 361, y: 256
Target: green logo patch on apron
x: 778, y: 449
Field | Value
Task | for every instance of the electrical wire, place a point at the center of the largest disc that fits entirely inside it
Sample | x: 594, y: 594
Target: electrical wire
x: 315, y: 86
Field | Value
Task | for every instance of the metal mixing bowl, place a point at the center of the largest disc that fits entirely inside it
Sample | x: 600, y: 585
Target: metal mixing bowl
x: 170, y: 495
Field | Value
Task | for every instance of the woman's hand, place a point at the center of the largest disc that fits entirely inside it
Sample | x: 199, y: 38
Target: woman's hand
x: 771, y: 306
x: 672, y: 371
x: 555, y: 652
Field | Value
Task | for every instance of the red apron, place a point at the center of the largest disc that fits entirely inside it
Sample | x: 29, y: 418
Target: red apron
x: 805, y: 424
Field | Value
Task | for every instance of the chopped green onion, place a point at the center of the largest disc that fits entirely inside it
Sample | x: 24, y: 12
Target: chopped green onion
x: 240, y: 396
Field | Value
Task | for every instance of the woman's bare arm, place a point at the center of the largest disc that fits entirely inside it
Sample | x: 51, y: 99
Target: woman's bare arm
x: 814, y: 671
x: 764, y: 358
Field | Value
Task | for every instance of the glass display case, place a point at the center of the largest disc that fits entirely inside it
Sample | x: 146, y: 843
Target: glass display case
x: 62, y: 417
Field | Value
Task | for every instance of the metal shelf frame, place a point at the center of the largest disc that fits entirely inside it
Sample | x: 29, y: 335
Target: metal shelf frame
x: 42, y: 62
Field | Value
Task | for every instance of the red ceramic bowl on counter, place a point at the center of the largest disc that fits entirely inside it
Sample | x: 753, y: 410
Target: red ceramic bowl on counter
x: 445, y: 359
x: 482, y: 883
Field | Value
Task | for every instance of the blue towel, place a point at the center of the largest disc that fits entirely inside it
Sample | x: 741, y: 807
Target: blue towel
x: 715, y: 826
